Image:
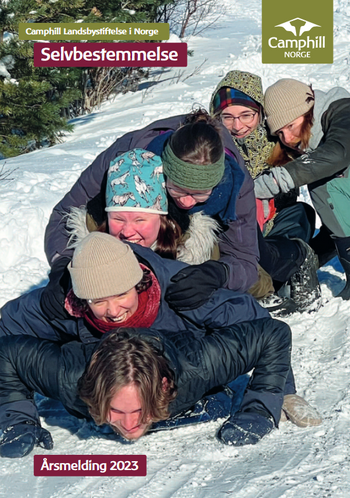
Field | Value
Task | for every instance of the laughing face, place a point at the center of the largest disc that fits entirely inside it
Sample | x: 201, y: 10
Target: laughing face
x: 115, y: 309
x: 137, y: 227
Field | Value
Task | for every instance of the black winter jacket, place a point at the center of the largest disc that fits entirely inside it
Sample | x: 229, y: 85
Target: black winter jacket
x: 29, y: 365
x: 332, y: 154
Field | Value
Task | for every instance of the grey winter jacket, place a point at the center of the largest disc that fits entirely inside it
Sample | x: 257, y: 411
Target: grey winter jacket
x: 238, y: 241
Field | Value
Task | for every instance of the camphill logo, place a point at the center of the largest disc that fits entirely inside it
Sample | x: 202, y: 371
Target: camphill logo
x: 289, y: 38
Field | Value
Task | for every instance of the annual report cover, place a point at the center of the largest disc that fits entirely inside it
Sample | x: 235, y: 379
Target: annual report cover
x: 69, y: 89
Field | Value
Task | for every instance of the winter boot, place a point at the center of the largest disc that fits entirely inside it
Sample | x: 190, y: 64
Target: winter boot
x: 343, y: 250
x: 304, y: 285
x: 19, y: 440
x: 278, y: 306
x: 324, y: 246
x: 245, y: 428
x: 299, y: 412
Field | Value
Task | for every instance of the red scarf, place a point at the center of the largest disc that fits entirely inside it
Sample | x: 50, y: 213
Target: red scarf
x: 144, y: 316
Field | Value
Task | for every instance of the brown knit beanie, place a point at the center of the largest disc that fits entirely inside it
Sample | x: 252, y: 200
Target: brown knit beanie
x: 286, y: 100
x: 103, y: 266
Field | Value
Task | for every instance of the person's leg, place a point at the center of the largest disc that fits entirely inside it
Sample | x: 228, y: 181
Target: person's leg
x: 292, y: 260
x: 323, y: 245
x: 280, y: 257
x: 294, y: 222
x: 332, y: 202
x: 304, y: 285
x: 280, y: 253
x: 343, y: 250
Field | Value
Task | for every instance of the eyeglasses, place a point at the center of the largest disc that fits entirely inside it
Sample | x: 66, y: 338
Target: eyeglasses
x: 245, y: 119
x: 177, y: 193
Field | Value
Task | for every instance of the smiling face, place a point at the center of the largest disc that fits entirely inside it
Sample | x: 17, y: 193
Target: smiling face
x: 115, y: 309
x: 137, y: 227
x: 125, y: 412
x: 291, y: 133
x: 240, y: 120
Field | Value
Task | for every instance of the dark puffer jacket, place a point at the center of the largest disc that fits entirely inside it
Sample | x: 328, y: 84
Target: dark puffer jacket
x: 238, y: 241
x: 225, y: 307
x: 28, y: 365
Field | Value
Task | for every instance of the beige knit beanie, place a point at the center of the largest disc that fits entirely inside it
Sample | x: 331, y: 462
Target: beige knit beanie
x: 103, y: 266
x: 286, y: 100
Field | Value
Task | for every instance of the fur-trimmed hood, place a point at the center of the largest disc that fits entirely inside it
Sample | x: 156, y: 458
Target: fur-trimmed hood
x: 195, y: 247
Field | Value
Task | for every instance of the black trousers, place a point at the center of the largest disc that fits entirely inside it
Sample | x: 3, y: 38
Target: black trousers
x: 281, y: 256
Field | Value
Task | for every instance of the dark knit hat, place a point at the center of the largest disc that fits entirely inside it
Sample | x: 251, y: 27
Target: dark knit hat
x: 227, y: 96
x: 286, y: 100
x: 103, y: 266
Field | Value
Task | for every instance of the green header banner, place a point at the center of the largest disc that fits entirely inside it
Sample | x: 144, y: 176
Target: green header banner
x: 94, y: 31
x: 298, y: 32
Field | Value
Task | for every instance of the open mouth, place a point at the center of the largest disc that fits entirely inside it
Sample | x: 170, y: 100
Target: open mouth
x: 118, y: 319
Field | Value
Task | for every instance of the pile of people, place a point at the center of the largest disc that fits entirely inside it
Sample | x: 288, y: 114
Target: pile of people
x: 169, y: 257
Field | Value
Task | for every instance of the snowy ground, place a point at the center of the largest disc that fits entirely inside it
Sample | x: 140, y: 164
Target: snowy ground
x: 189, y: 462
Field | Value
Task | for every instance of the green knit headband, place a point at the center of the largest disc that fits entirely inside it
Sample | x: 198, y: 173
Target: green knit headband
x: 189, y: 175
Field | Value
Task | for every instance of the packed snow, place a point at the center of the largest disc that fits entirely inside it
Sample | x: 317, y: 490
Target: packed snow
x: 188, y: 462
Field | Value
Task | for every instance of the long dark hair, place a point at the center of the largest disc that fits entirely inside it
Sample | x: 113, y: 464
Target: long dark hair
x: 168, y: 238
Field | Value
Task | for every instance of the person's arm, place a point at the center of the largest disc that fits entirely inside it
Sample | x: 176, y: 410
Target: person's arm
x: 332, y: 154
x: 86, y: 187
x: 29, y: 364
x: 225, y: 308
x: 239, y: 243
x: 26, y: 316
x: 226, y: 353
x: 330, y: 157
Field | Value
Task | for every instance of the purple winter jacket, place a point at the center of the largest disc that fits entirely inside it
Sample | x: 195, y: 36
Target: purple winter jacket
x: 238, y: 242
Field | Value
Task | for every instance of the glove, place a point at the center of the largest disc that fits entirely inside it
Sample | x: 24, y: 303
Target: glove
x: 19, y: 440
x: 54, y: 294
x: 192, y: 286
x: 245, y: 428
x: 265, y: 186
x: 271, y: 183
